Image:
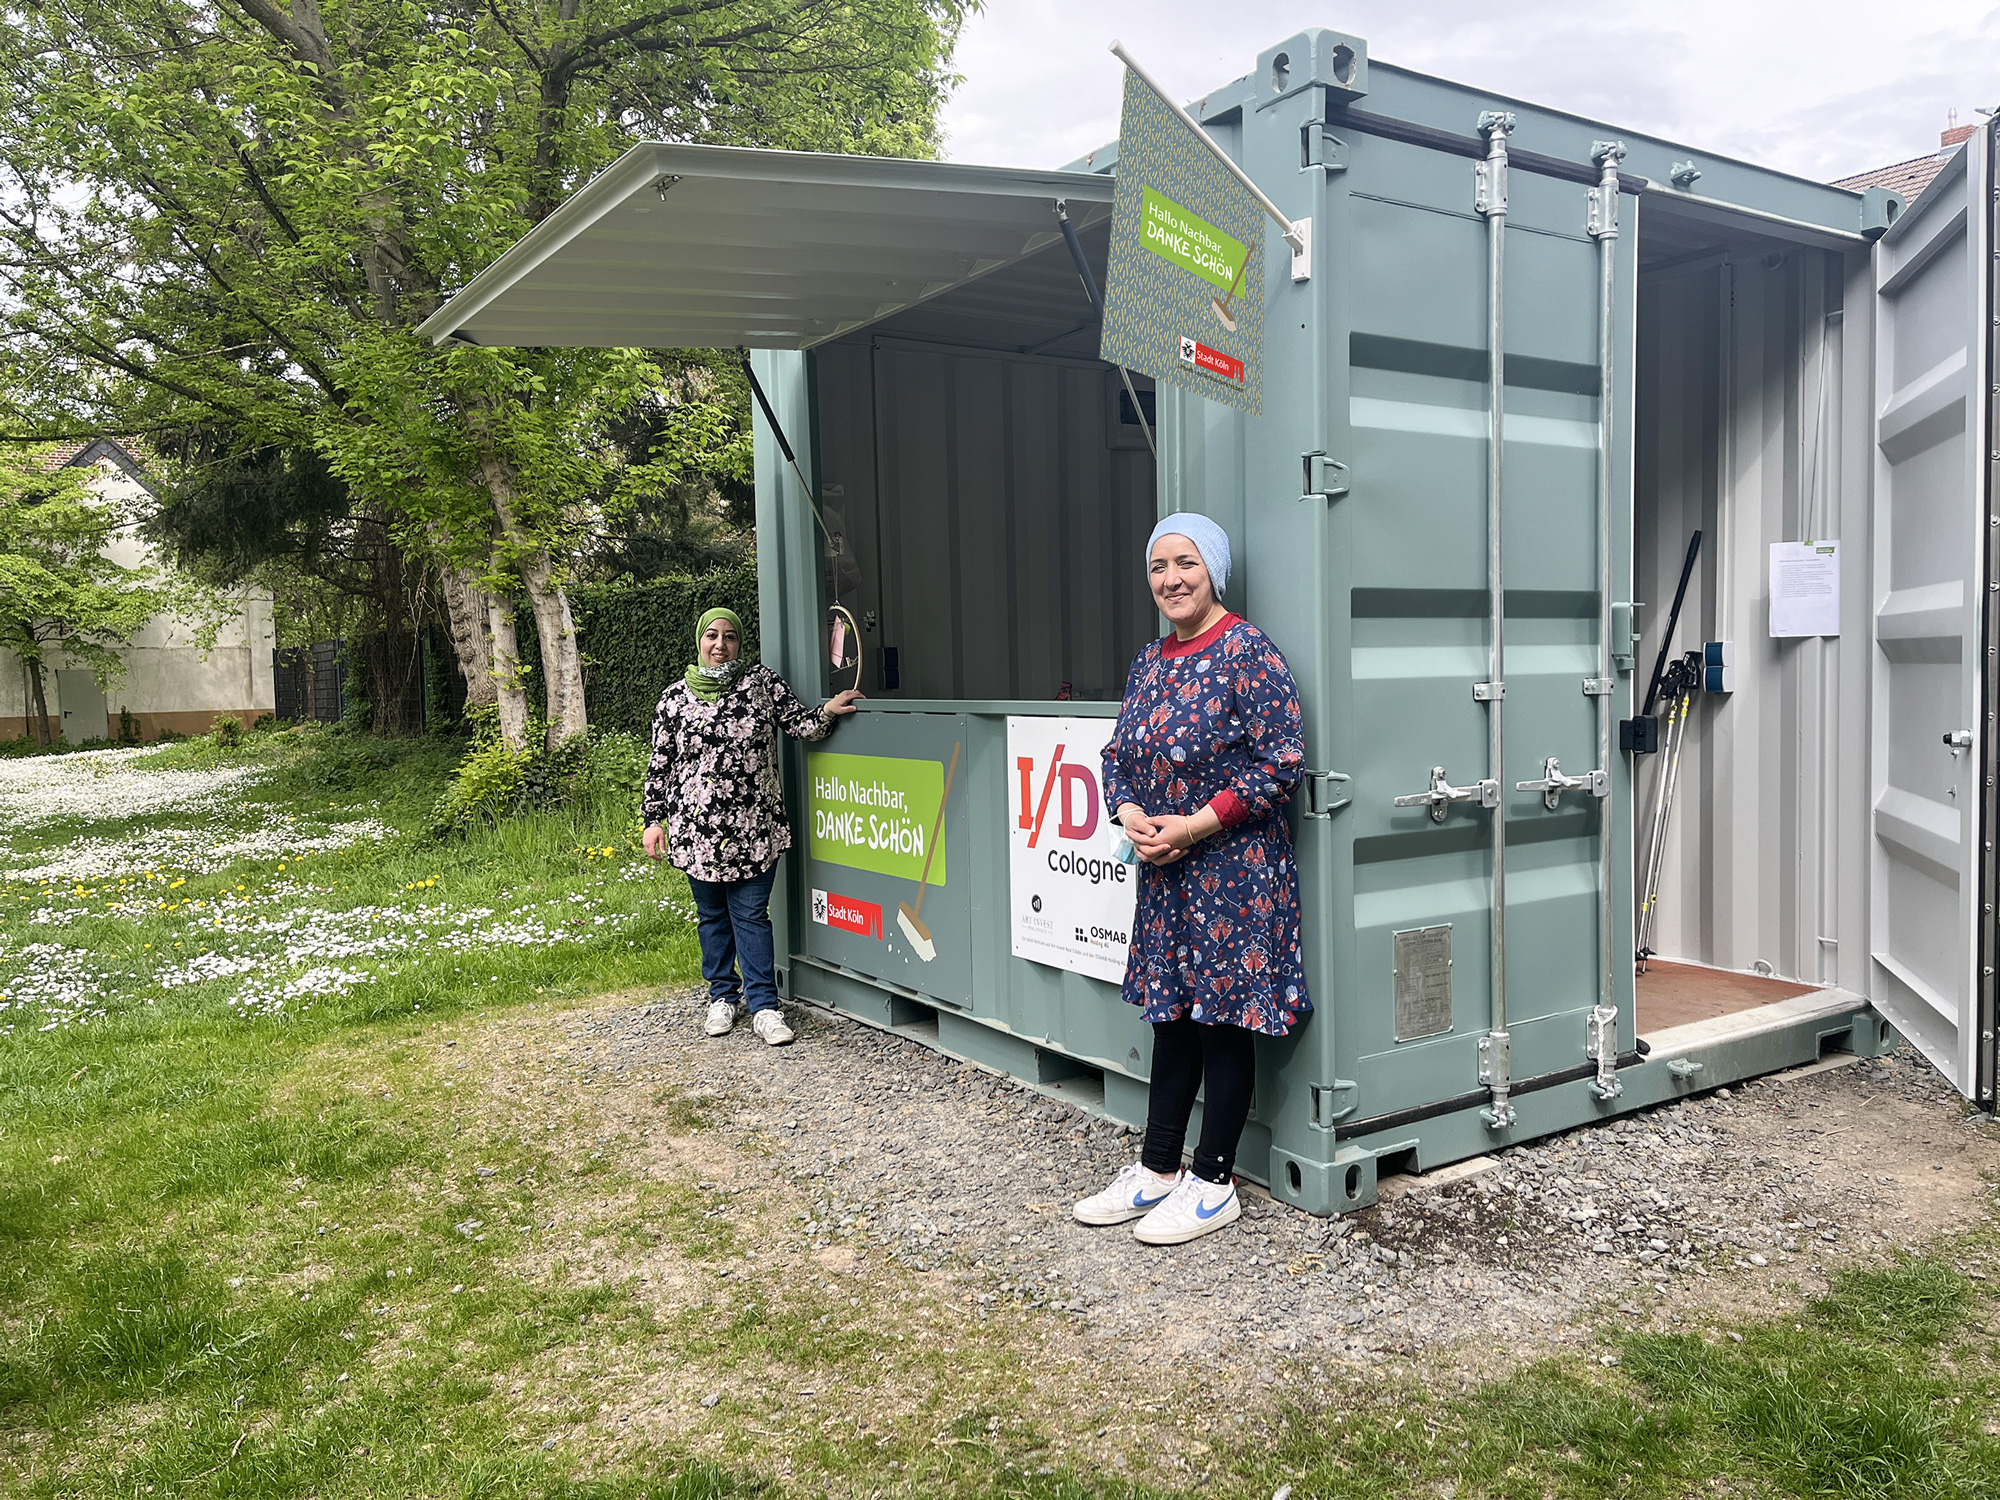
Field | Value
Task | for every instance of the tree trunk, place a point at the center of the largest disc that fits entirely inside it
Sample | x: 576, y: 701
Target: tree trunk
x: 41, y: 701
x: 509, y: 696
x: 395, y: 682
x: 466, y: 605
x: 562, y: 663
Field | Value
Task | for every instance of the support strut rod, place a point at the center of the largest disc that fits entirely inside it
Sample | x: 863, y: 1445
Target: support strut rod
x: 1097, y: 306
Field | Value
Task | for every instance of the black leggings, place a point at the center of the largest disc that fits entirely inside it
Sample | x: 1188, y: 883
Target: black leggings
x: 1187, y: 1055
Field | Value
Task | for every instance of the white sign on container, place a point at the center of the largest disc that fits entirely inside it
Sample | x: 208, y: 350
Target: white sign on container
x: 1070, y: 899
x: 1805, y: 588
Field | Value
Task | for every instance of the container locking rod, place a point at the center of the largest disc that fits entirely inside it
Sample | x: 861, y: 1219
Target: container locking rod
x: 1490, y: 200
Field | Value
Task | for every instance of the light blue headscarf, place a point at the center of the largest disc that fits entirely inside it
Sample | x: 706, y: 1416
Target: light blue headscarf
x: 1209, y: 539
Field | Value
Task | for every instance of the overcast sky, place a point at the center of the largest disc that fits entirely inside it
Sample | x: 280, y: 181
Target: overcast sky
x: 1822, y: 88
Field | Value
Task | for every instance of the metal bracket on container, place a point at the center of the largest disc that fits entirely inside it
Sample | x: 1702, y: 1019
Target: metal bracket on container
x: 1488, y: 692
x: 1495, y: 1072
x: 1489, y: 176
x: 1602, y: 223
x: 1325, y: 794
x: 1600, y: 1045
x: 1553, y: 784
x: 1680, y: 1067
x: 1684, y: 175
x: 1597, y: 687
x: 1320, y: 147
x: 1334, y: 1102
x: 1324, y: 477
x: 1442, y: 794
x: 1623, y: 636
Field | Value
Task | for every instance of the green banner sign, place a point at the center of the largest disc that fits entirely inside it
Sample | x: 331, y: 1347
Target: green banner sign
x: 870, y: 812
x: 1191, y: 242
x: 1184, y: 283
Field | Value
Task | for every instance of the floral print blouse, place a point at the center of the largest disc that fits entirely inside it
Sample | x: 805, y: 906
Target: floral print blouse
x: 712, y: 783
x: 1215, y: 722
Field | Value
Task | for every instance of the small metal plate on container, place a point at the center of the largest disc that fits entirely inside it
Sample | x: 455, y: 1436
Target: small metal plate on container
x: 1423, y: 982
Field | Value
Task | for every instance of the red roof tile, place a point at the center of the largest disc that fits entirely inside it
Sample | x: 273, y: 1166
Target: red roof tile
x: 1909, y: 178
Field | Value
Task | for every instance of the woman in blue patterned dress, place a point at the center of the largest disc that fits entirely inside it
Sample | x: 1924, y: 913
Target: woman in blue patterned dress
x: 1208, y: 749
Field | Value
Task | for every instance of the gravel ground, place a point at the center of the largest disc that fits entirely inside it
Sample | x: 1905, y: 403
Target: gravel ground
x: 1733, y: 1201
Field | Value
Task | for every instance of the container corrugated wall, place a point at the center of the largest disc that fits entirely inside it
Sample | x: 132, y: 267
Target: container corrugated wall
x: 1766, y: 857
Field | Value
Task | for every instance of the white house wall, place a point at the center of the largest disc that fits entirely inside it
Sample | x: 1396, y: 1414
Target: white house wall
x: 169, y: 683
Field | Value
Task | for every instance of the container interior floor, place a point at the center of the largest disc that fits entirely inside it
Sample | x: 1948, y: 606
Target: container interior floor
x: 1671, y: 994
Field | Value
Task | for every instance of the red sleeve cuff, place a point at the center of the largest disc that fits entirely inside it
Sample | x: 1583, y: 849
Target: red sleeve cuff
x: 1229, y: 809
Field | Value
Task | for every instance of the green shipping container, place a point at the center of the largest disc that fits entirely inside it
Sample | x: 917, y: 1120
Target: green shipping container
x: 1662, y: 340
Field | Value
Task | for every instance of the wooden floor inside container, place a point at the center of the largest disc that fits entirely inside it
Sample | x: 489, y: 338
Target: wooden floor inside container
x: 1675, y: 994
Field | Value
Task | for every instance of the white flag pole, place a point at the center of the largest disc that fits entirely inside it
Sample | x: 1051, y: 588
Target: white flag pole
x: 1291, y: 233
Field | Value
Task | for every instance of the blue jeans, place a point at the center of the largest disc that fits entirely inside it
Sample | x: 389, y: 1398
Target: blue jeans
x: 735, y: 927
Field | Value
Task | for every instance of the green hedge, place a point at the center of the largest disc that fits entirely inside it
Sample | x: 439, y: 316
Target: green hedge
x: 636, y: 638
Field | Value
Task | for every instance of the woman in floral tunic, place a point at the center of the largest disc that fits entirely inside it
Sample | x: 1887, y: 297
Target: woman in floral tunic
x: 713, y: 805
x: 1209, y: 747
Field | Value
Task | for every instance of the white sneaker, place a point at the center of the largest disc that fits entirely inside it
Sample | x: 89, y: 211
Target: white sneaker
x: 1132, y: 1192
x: 771, y: 1026
x: 721, y: 1017
x: 1191, y: 1210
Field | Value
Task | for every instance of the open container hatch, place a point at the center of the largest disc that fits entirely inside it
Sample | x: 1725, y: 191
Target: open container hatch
x: 695, y: 247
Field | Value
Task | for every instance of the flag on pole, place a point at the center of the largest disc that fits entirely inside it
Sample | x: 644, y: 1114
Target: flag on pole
x: 1184, y: 286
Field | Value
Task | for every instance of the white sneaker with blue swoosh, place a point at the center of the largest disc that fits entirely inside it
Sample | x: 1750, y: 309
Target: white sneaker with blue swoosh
x: 1194, y: 1208
x: 1133, y: 1192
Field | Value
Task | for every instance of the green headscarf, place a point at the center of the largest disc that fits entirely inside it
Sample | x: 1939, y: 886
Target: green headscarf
x: 710, y: 683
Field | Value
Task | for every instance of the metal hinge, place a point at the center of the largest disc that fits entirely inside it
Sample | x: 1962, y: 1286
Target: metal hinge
x: 1321, y: 148
x: 1334, y: 1102
x: 1325, y: 793
x: 1325, y: 477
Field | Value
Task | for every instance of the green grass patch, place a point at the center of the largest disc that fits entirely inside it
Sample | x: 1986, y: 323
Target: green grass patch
x: 299, y: 1251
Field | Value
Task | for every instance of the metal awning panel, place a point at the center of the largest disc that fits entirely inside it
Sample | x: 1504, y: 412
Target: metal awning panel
x: 677, y: 246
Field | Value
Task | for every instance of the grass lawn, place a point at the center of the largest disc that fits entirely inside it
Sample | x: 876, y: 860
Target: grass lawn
x: 298, y: 1197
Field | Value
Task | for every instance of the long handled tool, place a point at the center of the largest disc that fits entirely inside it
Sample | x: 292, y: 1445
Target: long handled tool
x: 1680, y: 681
x: 907, y: 917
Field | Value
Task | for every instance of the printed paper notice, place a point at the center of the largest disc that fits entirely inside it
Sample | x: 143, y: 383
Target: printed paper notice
x: 1805, y: 588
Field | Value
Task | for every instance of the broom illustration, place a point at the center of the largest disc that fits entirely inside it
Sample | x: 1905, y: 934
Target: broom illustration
x: 907, y: 917
x: 1225, y: 307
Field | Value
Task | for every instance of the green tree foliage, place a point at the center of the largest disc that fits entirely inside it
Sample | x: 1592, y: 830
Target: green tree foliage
x: 234, y: 215
x: 58, y: 589
x: 638, y: 638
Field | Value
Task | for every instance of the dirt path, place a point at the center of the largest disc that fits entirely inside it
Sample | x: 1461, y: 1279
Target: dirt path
x: 857, y: 1169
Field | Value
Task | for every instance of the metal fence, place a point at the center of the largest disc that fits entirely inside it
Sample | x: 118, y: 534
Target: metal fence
x: 309, y: 681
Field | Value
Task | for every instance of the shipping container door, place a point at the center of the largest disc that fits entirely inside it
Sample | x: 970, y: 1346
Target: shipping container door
x: 1416, y: 552
x: 1933, y: 740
